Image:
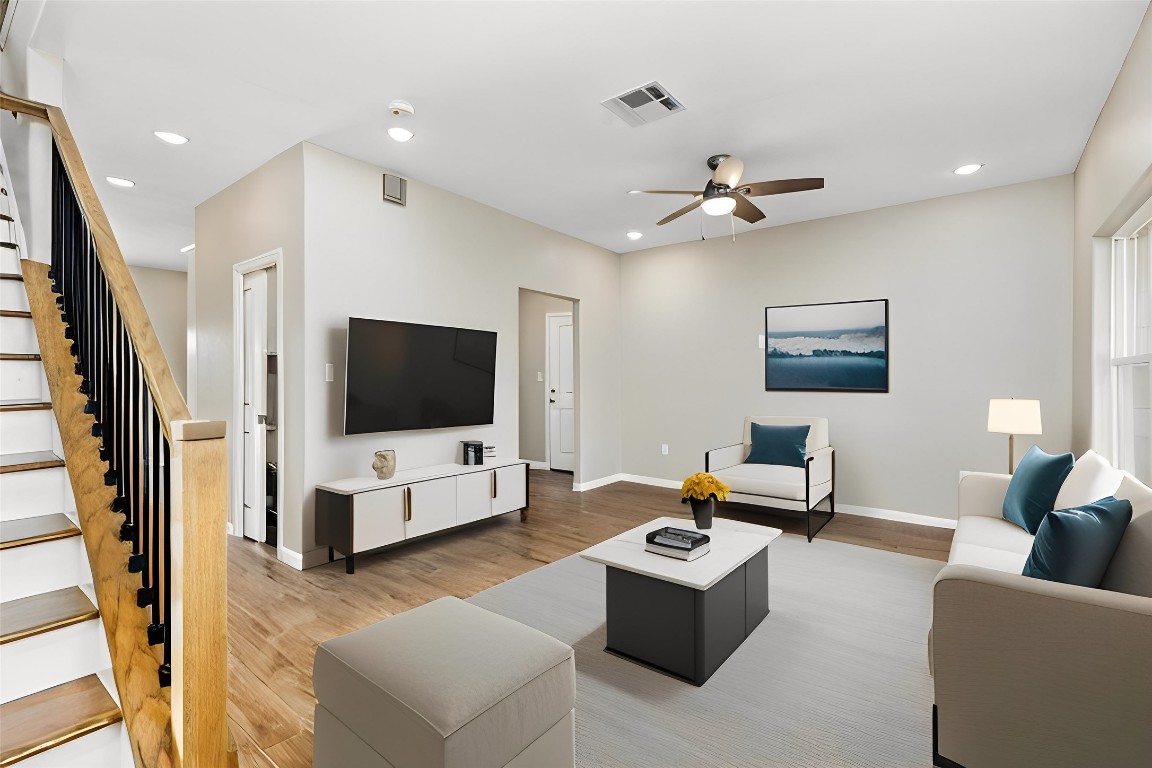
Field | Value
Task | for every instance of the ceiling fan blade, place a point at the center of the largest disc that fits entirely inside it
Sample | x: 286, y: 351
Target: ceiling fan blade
x: 781, y: 186
x: 690, y: 207
x: 666, y: 192
x: 728, y: 172
x: 746, y: 210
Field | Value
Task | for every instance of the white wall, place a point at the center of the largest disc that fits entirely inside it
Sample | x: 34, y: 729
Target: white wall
x: 165, y: 296
x: 1113, y: 178
x: 444, y: 260
x: 259, y: 213
x: 980, y: 306
x: 534, y: 309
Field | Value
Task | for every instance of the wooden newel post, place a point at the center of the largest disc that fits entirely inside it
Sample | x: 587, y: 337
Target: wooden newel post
x: 199, y: 593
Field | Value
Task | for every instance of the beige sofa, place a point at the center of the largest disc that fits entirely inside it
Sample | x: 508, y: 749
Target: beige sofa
x: 796, y: 488
x: 1036, y: 673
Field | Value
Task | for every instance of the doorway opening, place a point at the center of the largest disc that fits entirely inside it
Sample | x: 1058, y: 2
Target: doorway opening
x: 549, y: 365
x: 258, y: 391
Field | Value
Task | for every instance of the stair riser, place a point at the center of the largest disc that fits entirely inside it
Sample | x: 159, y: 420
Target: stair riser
x: 105, y: 748
x: 39, y: 492
x: 23, y: 431
x: 9, y: 259
x: 22, y: 380
x: 42, y: 661
x: 43, y: 567
x: 12, y: 295
x: 18, y: 334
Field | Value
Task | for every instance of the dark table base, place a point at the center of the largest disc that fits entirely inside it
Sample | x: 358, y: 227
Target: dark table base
x: 685, y: 632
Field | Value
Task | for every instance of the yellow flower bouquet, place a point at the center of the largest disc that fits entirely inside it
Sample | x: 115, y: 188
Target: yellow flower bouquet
x: 702, y: 486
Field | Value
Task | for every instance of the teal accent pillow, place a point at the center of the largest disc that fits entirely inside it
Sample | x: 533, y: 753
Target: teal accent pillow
x: 1034, y: 487
x: 786, y: 446
x: 1074, y: 546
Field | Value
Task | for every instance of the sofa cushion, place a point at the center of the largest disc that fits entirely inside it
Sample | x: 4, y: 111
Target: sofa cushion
x: 782, y: 445
x: 992, y: 558
x: 764, y: 480
x: 990, y: 542
x: 1091, y: 478
x: 1034, y: 487
x: 1074, y: 546
x: 1131, y: 568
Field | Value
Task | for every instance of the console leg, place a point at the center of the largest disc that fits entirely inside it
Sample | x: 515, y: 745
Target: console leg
x: 524, y: 515
x: 350, y: 564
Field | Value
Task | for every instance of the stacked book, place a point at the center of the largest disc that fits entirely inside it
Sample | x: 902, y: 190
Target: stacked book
x: 677, y: 542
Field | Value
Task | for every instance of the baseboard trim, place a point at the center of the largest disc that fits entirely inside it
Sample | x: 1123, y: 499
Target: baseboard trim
x: 850, y: 509
x: 290, y: 558
x: 598, y: 483
x: 538, y: 465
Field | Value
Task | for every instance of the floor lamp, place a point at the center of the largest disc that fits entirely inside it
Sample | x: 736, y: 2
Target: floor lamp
x: 1014, y: 417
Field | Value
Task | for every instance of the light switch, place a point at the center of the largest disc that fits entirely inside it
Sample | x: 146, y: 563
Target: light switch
x: 761, y: 337
x: 539, y: 376
x: 663, y: 449
x: 329, y: 372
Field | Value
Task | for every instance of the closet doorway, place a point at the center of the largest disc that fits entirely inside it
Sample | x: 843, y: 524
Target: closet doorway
x: 549, y: 366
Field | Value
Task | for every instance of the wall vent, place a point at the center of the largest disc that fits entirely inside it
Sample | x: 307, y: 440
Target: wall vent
x: 646, y: 104
x: 395, y: 189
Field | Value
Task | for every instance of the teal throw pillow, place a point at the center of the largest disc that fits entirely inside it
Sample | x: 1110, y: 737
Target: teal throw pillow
x: 1033, y: 490
x: 786, y: 446
x: 1074, y: 546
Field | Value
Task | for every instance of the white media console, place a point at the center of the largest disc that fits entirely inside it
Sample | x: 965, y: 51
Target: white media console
x: 362, y: 513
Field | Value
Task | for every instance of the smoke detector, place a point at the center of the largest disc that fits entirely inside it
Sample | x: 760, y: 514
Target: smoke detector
x: 643, y: 105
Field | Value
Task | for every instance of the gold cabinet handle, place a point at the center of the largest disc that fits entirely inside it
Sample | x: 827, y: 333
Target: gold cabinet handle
x: 407, y: 503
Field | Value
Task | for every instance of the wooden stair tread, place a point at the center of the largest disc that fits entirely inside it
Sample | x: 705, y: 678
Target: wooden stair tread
x: 53, y: 717
x: 37, y: 614
x: 26, y: 462
x: 11, y: 276
x: 15, y: 313
x: 19, y: 356
x: 33, y: 530
x: 24, y: 405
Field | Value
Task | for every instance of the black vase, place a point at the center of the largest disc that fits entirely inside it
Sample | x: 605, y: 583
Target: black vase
x: 702, y: 511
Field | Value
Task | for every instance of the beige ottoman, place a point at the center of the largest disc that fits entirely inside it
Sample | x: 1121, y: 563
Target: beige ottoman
x: 445, y: 685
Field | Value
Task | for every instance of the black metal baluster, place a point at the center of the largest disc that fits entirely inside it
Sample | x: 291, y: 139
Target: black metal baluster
x: 166, y: 572
x: 157, y: 629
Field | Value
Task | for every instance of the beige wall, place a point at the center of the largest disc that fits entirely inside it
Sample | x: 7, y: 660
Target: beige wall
x: 165, y: 296
x: 534, y: 307
x: 1113, y: 178
x: 980, y: 293
x: 258, y: 214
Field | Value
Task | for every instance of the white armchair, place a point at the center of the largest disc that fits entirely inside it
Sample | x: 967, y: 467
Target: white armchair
x: 798, y: 489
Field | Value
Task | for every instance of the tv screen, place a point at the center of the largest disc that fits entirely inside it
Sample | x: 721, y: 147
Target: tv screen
x: 404, y: 376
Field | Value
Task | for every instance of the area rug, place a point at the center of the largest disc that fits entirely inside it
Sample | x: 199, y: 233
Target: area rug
x: 836, y: 675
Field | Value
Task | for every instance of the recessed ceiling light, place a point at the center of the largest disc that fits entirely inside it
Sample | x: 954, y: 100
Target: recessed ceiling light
x: 964, y: 170
x: 189, y: 247
x: 120, y: 182
x: 635, y: 235
x: 171, y: 138
x: 399, y: 134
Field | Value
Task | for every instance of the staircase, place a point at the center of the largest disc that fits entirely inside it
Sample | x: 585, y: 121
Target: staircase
x: 57, y: 697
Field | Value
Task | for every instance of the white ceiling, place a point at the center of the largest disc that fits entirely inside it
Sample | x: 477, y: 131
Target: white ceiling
x: 883, y: 99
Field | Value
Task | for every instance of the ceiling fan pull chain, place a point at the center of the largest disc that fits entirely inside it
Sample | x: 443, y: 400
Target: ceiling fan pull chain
x: 732, y: 221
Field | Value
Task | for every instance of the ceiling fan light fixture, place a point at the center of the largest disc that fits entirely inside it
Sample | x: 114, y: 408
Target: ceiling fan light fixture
x: 170, y: 138
x: 964, y: 170
x: 399, y: 134
x: 635, y: 235
x: 719, y: 205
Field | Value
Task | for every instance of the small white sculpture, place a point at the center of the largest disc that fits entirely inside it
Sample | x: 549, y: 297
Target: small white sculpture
x: 385, y: 464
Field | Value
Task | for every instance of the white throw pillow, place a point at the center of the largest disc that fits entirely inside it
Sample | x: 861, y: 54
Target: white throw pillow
x: 1092, y: 478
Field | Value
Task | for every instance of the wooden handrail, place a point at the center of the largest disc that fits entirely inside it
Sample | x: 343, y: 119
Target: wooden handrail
x: 161, y: 384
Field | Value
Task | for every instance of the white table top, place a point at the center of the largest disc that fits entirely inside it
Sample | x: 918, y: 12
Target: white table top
x: 731, y: 543
x: 351, y: 485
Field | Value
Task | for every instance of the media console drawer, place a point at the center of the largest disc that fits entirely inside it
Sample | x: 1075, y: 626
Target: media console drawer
x: 361, y: 514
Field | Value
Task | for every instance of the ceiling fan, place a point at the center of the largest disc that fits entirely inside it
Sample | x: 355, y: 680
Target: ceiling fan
x: 725, y: 193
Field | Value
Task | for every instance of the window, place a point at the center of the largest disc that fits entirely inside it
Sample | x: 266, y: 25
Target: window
x: 1132, y: 351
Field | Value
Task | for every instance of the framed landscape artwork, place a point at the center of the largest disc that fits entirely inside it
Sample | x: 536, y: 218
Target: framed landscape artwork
x: 841, y: 347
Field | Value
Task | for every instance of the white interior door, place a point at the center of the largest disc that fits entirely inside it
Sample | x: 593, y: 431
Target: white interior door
x: 255, y: 402
x: 561, y: 394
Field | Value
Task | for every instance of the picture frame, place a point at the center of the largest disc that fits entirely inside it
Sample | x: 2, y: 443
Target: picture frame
x: 834, y: 347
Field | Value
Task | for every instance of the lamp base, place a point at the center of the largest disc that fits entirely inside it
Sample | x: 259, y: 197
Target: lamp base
x: 1011, y: 451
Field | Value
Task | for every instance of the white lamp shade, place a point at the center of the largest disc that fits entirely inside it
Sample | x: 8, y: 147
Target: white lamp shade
x: 1014, y: 417
x: 718, y: 206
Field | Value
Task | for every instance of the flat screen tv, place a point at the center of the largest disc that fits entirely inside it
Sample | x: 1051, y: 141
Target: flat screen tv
x: 404, y: 376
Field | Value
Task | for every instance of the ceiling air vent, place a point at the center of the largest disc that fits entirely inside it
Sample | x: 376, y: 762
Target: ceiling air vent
x: 646, y: 104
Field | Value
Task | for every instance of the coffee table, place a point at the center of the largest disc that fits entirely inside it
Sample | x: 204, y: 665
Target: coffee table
x: 685, y: 618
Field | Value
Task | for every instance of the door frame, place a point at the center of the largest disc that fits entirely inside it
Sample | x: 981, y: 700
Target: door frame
x: 268, y: 260
x: 547, y: 386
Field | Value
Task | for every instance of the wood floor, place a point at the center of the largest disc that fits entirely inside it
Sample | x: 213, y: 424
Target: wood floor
x: 277, y: 616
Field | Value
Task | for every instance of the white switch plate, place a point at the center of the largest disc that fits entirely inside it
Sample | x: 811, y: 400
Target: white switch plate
x: 539, y: 376
x: 329, y: 372
x: 761, y: 337
x: 663, y: 449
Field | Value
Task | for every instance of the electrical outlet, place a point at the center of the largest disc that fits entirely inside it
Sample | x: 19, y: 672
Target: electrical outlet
x: 329, y: 372
x: 539, y: 376
x: 663, y: 449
